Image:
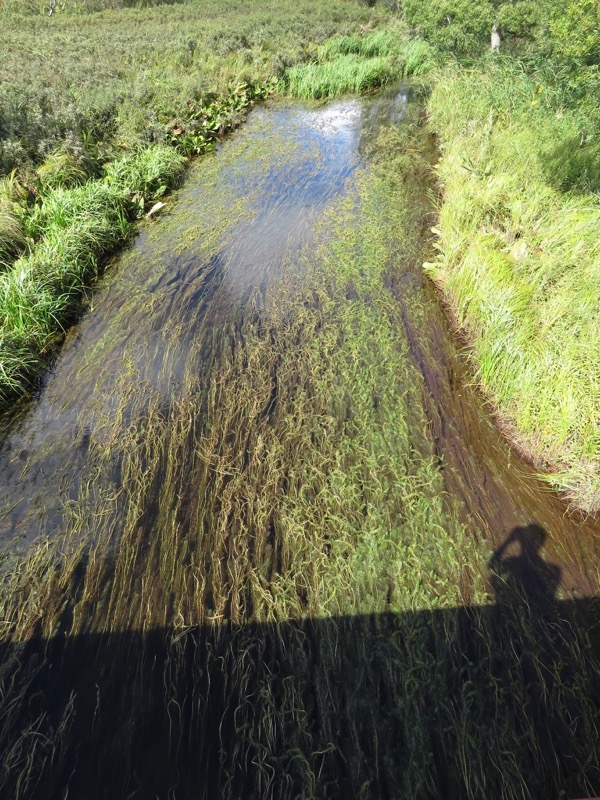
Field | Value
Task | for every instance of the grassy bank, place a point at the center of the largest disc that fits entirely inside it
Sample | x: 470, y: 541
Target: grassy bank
x: 358, y: 63
x: 519, y: 256
x: 70, y: 223
x: 73, y: 230
x: 98, y: 105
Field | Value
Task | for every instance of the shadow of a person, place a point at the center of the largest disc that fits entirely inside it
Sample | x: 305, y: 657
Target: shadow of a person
x: 524, y: 577
x: 529, y: 638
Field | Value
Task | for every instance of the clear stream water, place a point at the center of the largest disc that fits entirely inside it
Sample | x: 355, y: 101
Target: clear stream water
x: 155, y: 316
x: 189, y: 662
x: 153, y: 321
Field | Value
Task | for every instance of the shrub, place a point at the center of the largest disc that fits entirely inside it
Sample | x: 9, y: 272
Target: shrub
x: 460, y: 26
x: 575, y: 31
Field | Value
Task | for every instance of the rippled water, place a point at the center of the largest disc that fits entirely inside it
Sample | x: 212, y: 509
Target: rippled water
x: 233, y: 228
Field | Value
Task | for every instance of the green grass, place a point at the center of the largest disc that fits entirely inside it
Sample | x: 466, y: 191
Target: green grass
x: 342, y: 75
x: 519, y: 258
x: 383, y: 42
x: 120, y: 77
x: 358, y: 63
x: 13, y: 211
x: 72, y: 230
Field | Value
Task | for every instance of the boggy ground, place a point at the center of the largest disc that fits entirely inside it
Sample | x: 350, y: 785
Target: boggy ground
x: 252, y: 580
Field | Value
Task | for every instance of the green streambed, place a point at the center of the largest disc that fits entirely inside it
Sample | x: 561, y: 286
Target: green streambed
x: 255, y: 543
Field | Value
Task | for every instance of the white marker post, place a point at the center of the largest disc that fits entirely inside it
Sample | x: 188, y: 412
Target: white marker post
x: 495, y: 39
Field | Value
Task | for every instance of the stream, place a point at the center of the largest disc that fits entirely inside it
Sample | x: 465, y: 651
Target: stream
x: 160, y: 305
x: 259, y: 492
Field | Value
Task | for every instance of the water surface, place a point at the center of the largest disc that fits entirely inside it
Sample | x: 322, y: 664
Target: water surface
x: 177, y: 298
x: 290, y: 555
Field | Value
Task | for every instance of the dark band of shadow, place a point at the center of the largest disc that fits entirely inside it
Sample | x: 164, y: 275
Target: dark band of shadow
x: 475, y: 702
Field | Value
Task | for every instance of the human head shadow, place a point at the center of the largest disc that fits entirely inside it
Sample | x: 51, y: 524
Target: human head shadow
x: 456, y: 702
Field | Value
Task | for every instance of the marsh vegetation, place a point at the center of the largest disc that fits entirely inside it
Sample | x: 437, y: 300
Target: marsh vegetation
x: 109, y: 102
x: 259, y: 537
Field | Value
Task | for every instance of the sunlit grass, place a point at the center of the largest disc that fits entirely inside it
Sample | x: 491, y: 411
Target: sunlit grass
x: 520, y: 260
x: 358, y: 63
x: 12, y: 213
x: 124, y: 75
x: 76, y: 228
x: 343, y: 75
x: 128, y: 90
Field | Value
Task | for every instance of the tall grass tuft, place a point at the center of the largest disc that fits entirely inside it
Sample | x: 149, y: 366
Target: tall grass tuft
x: 62, y: 169
x: 418, y: 57
x: 12, y: 234
x: 343, y: 75
x: 358, y: 63
x: 384, y: 42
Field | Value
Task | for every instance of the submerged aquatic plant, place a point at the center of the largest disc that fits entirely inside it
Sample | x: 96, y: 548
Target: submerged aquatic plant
x: 259, y: 532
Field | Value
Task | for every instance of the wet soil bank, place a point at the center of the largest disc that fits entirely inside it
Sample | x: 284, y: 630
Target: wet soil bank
x: 497, y: 487
x: 260, y: 536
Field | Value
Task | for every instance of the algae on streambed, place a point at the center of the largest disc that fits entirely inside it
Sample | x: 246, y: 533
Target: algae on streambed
x: 251, y: 581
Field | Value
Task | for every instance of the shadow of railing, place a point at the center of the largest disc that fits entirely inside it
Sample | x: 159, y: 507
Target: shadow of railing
x: 494, y: 701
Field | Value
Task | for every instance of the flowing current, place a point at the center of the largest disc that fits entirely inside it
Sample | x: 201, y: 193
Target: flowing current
x: 166, y: 303
x: 259, y: 536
